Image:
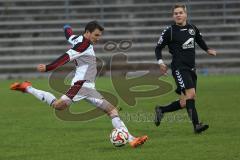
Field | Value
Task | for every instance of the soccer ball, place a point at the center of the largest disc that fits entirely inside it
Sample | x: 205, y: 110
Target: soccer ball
x: 119, y: 137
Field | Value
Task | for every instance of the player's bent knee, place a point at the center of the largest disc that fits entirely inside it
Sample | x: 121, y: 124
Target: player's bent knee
x: 191, y: 94
x: 104, y: 105
x: 183, y: 103
x: 108, y: 108
x: 113, y: 113
x: 59, y: 105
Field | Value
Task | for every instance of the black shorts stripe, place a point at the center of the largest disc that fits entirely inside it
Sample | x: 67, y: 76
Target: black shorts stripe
x: 179, y: 79
x: 74, y: 89
x: 185, y: 79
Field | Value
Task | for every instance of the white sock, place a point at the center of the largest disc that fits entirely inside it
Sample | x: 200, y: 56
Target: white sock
x: 118, y: 123
x: 41, y: 95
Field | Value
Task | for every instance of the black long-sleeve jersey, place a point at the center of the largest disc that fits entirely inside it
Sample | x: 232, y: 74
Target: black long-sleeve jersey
x: 181, y: 43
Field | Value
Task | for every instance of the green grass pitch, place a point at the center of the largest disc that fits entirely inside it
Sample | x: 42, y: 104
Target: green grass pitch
x: 29, y: 129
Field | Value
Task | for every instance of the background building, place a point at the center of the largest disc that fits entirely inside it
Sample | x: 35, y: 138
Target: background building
x: 31, y: 31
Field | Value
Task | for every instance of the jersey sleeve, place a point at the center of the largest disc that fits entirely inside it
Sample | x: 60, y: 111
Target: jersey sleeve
x: 78, y: 49
x: 163, y: 41
x: 69, y: 34
x: 199, y: 39
x: 58, y: 62
x: 75, y: 52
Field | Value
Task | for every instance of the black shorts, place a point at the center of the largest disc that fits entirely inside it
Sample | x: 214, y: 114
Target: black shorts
x: 185, y: 79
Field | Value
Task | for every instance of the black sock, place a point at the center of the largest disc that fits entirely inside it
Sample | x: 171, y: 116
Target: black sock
x: 192, y: 112
x: 171, y: 107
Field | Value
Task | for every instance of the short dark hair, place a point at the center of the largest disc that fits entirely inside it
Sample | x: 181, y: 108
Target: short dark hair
x: 91, y: 26
x: 179, y: 5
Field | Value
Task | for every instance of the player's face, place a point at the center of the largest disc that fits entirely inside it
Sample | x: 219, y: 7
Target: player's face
x: 95, y: 36
x: 180, y: 16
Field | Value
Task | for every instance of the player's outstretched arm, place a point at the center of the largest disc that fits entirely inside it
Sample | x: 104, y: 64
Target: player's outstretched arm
x: 163, y: 41
x: 158, y: 54
x: 55, y: 64
x: 202, y: 43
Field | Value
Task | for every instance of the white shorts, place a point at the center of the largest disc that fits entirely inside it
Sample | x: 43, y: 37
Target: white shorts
x: 79, y: 92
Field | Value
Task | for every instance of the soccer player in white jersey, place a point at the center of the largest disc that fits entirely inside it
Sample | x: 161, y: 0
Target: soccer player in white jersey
x: 83, y: 83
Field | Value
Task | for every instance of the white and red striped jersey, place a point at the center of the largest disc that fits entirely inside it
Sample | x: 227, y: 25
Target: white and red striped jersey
x: 83, y: 54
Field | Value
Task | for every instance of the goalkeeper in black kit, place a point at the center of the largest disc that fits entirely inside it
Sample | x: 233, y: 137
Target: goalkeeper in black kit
x: 180, y: 38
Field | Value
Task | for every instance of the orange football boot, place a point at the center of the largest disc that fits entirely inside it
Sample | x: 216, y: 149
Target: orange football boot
x: 20, y: 86
x: 138, y: 141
